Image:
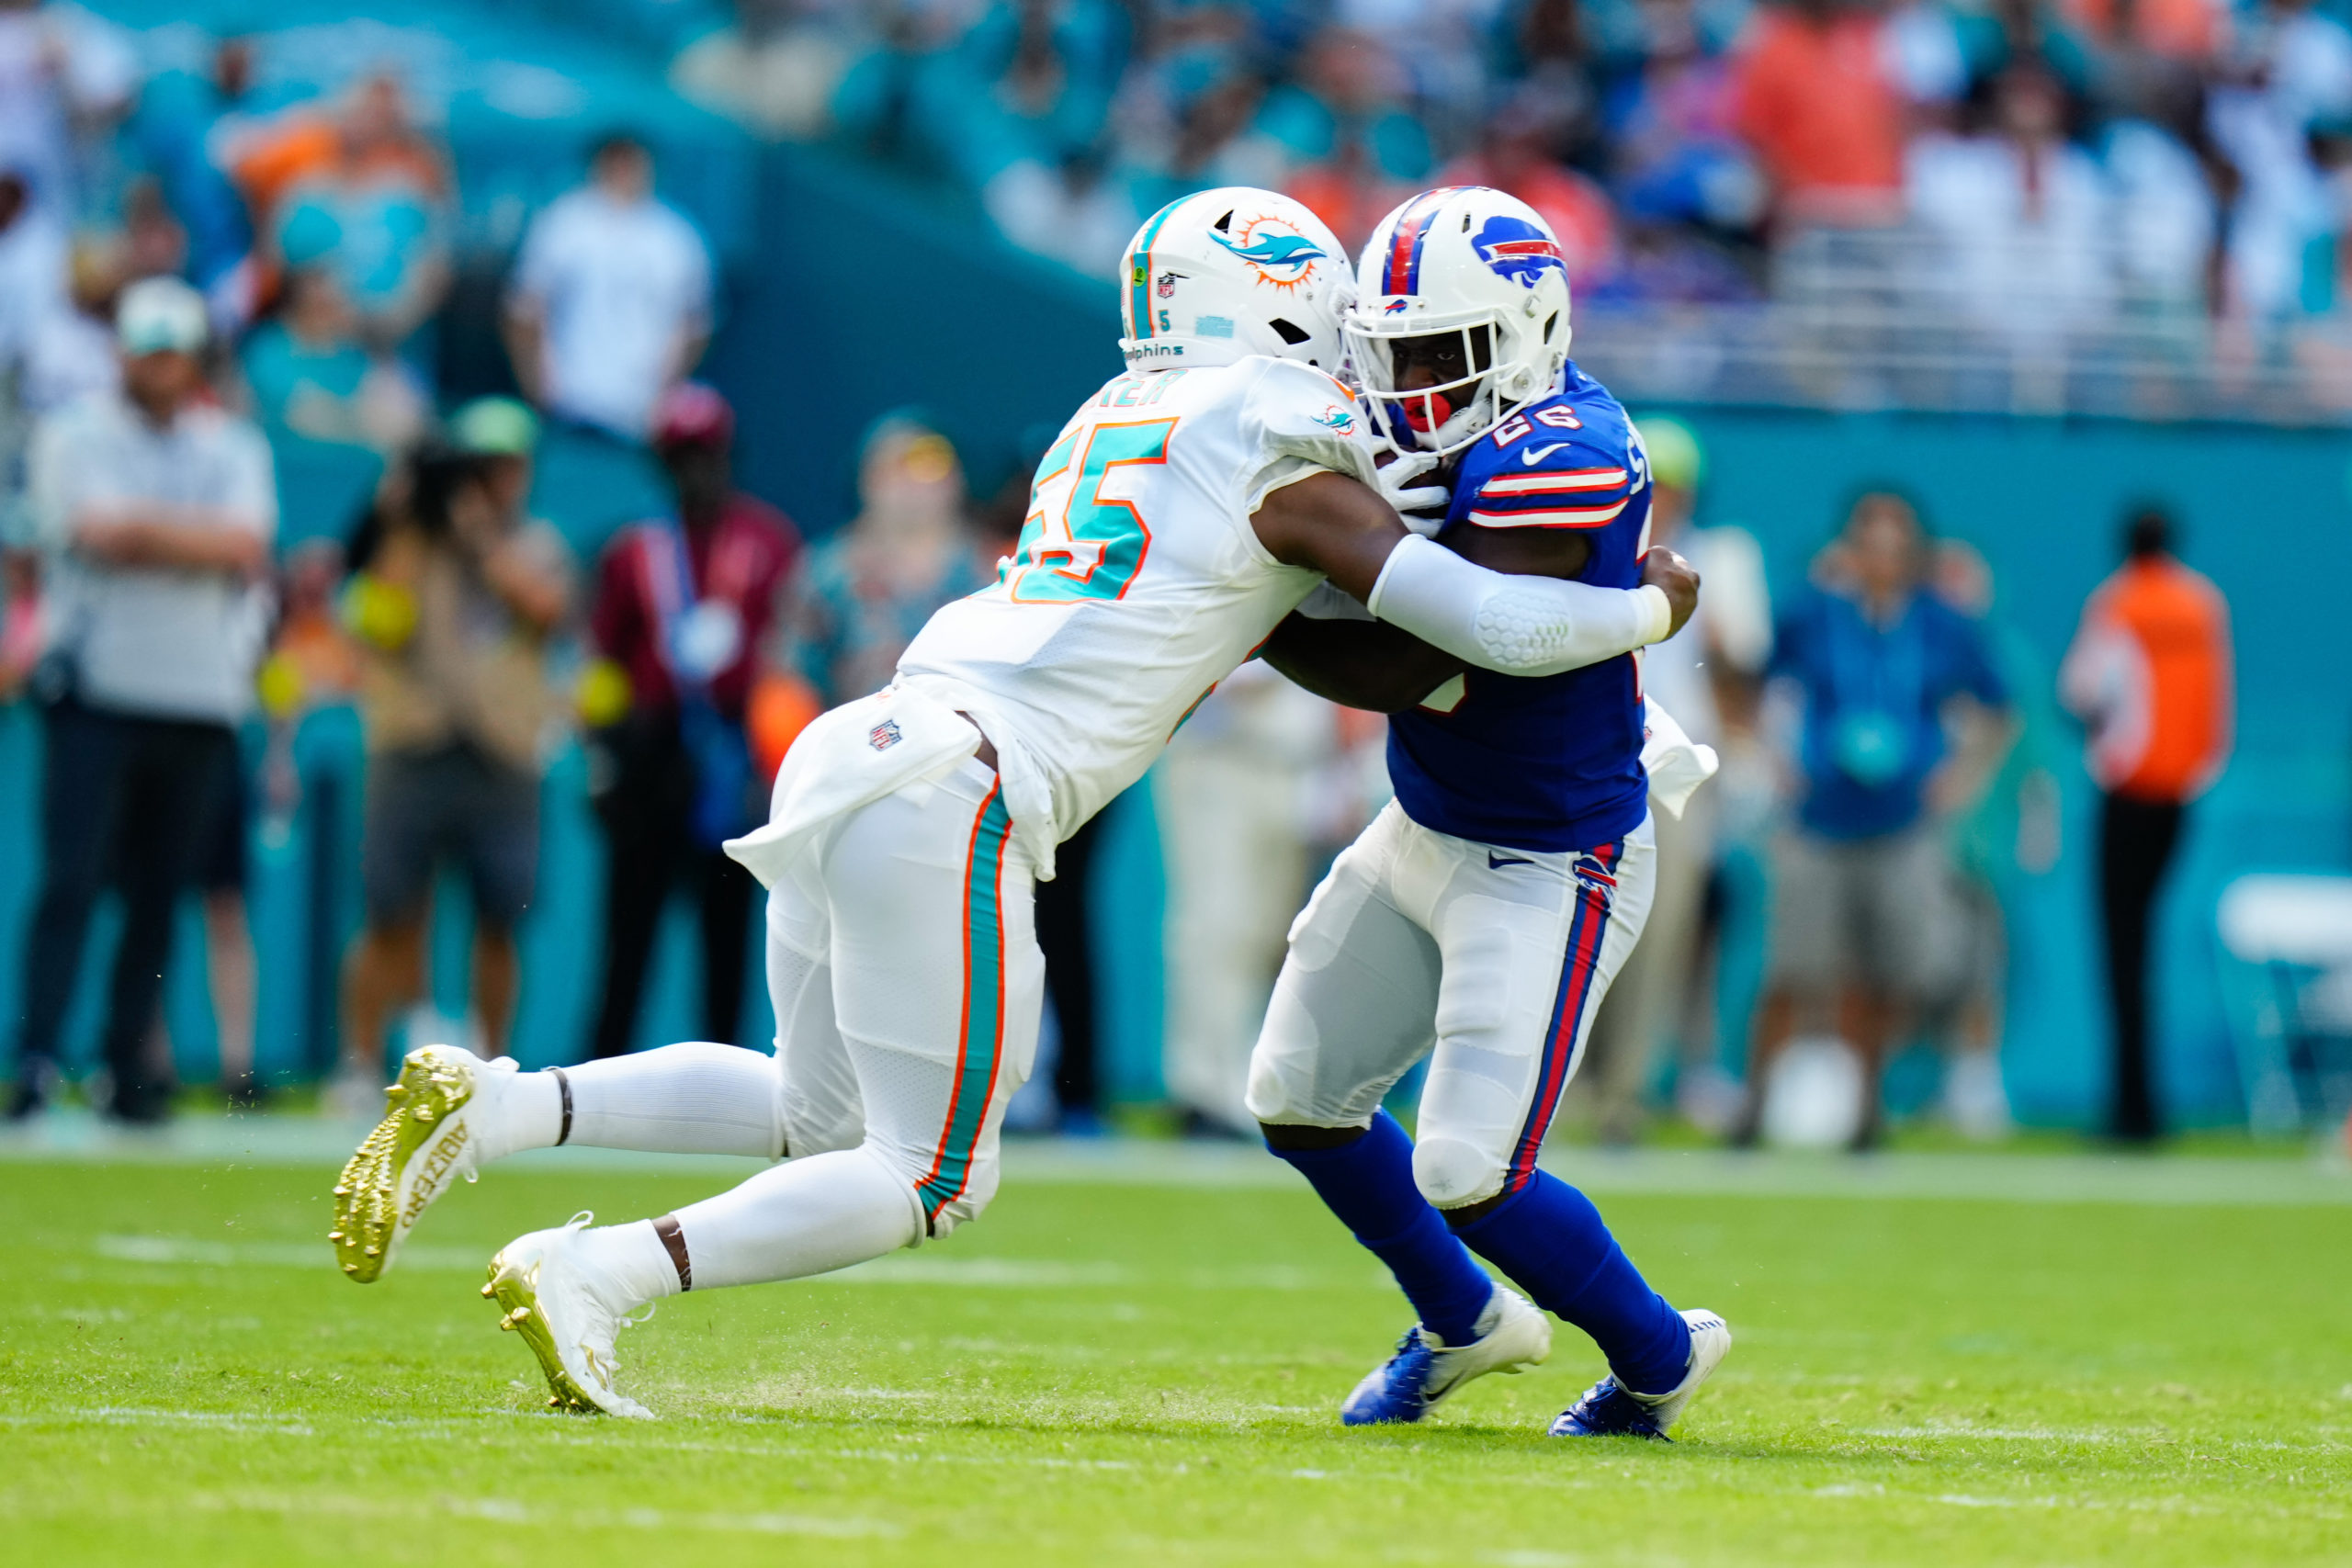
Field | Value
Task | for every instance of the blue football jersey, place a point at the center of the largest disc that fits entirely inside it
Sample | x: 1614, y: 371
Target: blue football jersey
x: 1549, y: 762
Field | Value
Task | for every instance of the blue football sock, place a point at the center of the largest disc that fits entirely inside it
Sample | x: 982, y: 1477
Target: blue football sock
x: 1550, y: 1239
x: 1369, y: 1184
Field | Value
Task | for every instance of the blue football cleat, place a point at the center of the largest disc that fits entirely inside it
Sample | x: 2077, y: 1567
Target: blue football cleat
x: 1608, y: 1409
x: 1512, y: 1336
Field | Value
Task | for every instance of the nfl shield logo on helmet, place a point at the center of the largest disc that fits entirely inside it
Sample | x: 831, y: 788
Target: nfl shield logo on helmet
x: 1517, y: 249
x: 1167, y: 287
x: 884, y: 736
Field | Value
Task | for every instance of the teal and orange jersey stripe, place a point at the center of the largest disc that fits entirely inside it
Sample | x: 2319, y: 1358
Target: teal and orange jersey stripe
x: 982, y: 1046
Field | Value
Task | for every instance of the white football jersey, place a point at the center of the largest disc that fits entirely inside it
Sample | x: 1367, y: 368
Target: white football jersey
x: 1138, y: 582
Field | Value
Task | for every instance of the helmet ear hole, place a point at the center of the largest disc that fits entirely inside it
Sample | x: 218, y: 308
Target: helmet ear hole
x: 1290, y: 334
x: 1551, y: 323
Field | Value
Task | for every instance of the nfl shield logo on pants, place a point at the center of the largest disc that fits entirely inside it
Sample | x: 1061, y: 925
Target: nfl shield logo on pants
x: 883, y: 736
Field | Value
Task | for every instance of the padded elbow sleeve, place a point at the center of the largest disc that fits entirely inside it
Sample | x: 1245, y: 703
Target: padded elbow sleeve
x: 1517, y: 626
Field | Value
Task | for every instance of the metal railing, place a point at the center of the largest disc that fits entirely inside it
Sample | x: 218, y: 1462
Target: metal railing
x: 1904, y: 319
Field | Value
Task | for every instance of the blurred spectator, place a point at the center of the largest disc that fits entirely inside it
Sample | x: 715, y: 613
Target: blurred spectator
x: 1676, y: 157
x: 363, y: 196
x: 455, y: 594
x: 2004, y: 831
x: 1183, y: 125
x: 682, y: 604
x: 1027, y: 91
x: 860, y: 596
x: 157, y: 512
x: 1548, y: 44
x: 1231, y: 796
x: 1860, y: 915
x: 2290, y: 71
x: 2181, y: 30
x: 2149, y: 673
x: 778, y: 65
x: 1353, y: 149
x: 2163, y: 218
x: 1514, y: 157
x: 72, y: 352
x: 309, y: 373
x: 187, y: 127
x: 610, y: 303
x: 2020, y: 212
x: 1814, y: 96
x: 65, y: 76
x: 1706, y: 677
x: 218, y: 877
x: 32, y: 269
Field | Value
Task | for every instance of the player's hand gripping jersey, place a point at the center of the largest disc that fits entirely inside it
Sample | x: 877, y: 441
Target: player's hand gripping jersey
x: 1552, y: 763
x: 1138, y: 582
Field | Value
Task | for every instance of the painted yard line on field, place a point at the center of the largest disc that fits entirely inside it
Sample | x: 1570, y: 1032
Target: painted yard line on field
x: 899, y: 1269
x: 505, y: 1511
x: 1368, y: 1471
x: 279, y: 1141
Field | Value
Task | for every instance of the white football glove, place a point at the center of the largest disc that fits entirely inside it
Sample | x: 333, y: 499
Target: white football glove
x: 1422, y: 506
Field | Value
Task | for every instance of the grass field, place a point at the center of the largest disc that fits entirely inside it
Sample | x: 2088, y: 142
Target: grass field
x: 1148, y: 1373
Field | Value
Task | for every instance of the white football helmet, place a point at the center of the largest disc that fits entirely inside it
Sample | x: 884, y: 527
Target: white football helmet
x: 1217, y: 277
x: 1466, y: 259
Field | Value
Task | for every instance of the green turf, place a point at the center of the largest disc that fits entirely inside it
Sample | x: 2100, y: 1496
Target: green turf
x: 1128, y: 1374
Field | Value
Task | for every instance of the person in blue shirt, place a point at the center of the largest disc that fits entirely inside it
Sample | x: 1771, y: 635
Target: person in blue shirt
x: 1862, y: 898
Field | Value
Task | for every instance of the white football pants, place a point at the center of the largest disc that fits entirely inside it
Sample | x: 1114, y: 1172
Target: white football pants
x: 903, y: 960
x: 904, y: 968
x: 1489, y: 961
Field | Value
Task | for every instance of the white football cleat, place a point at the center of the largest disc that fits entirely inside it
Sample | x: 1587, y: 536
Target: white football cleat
x: 1412, y: 1382
x: 426, y: 1140
x: 1609, y: 1409
x: 568, y: 1314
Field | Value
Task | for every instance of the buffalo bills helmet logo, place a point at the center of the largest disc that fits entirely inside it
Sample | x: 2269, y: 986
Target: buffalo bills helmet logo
x: 1517, y: 249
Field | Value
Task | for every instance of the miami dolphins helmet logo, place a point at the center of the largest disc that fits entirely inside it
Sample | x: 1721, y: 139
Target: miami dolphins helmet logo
x: 1277, y: 252
x: 1515, y: 249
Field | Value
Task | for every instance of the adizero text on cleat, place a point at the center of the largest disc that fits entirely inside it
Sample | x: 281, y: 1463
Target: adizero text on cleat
x: 1512, y: 1336
x: 1608, y: 1409
x: 423, y: 1144
x: 567, y: 1315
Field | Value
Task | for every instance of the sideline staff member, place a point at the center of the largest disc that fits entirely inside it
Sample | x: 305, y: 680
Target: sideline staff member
x: 155, y: 510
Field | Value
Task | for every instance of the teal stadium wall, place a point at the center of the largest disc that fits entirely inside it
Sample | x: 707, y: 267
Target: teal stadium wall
x: 851, y: 292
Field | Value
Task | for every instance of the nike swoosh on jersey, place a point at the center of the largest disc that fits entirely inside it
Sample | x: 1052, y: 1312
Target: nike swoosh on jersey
x: 1536, y: 455
x: 1496, y: 862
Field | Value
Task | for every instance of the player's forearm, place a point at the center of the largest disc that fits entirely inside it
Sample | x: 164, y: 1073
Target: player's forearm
x: 1517, y: 625
x: 1358, y: 664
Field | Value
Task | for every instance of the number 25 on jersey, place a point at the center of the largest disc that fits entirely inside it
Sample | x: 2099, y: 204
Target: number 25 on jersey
x: 1075, y: 543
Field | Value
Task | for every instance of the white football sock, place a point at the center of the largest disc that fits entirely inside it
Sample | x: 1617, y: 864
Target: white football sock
x: 634, y: 1259
x: 691, y: 1099
x: 807, y: 1216
x: 513, y: 1111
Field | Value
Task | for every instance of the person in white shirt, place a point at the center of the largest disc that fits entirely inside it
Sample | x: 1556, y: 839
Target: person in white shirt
x: 155, y: 510
x: 610, y: 303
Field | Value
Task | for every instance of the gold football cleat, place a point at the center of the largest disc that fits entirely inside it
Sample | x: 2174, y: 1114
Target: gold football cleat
x: 420, y: 1147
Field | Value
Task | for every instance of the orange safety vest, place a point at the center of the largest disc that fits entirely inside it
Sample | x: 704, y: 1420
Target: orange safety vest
x: 2150, y: 671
